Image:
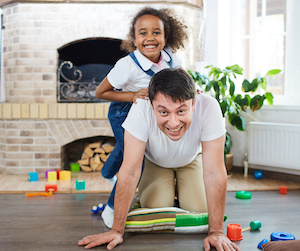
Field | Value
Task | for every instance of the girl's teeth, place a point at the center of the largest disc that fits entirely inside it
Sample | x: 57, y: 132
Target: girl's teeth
x: 149, y: 46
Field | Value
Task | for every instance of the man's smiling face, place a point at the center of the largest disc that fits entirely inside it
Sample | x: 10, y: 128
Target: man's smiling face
x: 173, y: 118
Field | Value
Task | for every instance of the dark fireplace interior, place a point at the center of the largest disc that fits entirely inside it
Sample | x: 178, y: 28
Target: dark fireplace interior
x: 73, y: 151
x: 91, y: 60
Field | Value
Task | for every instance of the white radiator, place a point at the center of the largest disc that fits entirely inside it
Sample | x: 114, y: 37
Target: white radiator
x: 274, y: 144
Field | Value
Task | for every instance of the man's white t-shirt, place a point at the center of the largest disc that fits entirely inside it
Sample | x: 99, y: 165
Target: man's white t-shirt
x: 129, y: 77
x: 207, y: 124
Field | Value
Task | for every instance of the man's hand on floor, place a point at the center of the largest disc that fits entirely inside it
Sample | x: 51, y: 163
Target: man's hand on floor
x: 220, y: 242
x: 113, y: 238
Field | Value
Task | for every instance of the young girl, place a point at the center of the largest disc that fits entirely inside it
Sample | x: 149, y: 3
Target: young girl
x: 153, y: 38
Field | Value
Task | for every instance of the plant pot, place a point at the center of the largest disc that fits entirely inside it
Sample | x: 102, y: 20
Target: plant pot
x: 229, y: 162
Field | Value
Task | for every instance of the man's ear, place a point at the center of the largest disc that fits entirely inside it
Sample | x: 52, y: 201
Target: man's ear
x: 194, y: 103
x: 152, y: 106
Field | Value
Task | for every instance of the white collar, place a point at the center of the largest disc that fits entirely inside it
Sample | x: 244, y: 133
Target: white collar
x: 145, y: 62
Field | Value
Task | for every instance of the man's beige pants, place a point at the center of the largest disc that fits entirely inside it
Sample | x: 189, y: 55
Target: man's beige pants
x: 156, y: 188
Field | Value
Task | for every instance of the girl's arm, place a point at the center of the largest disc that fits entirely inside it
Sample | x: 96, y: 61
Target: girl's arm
x: 106, y: 91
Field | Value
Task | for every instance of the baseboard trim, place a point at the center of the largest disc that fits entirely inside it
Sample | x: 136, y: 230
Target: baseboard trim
x: 294, y: 176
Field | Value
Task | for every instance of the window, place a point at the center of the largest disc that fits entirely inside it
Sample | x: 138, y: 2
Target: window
x: 263, y: 40
x: 259, y: 35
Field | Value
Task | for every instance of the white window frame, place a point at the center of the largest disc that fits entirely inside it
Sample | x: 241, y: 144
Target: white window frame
x: 226, y: 40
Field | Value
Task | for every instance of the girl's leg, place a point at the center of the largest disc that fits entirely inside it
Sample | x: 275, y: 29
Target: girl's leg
x: 108, y: 212
x: 117, y: 114
x: 191, y: 190
x: 156, y: 188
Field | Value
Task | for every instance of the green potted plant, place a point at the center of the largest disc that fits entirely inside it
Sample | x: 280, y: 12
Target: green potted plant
x: 220, y: 83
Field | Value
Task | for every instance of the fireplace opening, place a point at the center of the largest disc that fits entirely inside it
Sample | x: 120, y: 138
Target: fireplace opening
x: 83, y: 65
x: 74, y: 151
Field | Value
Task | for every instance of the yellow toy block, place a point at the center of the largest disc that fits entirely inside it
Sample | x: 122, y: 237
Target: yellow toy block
x: 52, y: 176
x: 65, y: 175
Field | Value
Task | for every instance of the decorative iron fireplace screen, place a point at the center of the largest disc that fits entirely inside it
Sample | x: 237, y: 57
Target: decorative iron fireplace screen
x: 83, y: 64
x: 73, y: 90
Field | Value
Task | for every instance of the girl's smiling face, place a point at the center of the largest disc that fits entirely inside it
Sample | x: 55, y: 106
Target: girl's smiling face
x: 149, y: 37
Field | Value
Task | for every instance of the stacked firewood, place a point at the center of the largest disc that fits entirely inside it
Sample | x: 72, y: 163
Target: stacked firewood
x: 94, y: 156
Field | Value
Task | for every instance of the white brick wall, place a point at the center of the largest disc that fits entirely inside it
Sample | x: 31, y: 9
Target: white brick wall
x: 35, y: 145
x: 34, y: 31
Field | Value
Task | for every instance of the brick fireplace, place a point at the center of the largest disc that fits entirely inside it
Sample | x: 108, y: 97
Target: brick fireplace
x: 34, y: 126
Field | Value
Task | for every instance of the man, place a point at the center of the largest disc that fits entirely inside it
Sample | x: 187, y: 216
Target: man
x: 177, y: 131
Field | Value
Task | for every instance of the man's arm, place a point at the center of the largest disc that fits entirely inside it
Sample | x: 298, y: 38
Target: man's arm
x: 128, y: 178
x: 215, y: 180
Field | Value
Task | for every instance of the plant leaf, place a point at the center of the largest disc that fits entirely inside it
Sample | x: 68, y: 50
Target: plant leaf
x: 236, y: 69
x: 242, y: 102
x: 224, y: 107
x: 257, y: 102
x: 263, y: 83
x: 217, y: 90
x: 246, y: 86
x: 273, y: 72
x: 254, y: 84
x: 269, y: 98
x: 238, y: 121
x: 232, y: 87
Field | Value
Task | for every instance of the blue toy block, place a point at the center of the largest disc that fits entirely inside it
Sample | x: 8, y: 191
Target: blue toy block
x: 33, y: 176
x: 258, y: 175
x: 262, y: 242
x: 80, y: 184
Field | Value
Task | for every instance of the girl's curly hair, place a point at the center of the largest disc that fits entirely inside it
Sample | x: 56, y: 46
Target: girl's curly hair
x: 175, y: 30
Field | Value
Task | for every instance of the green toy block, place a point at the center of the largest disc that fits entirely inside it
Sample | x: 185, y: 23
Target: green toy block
x: 75, y: 167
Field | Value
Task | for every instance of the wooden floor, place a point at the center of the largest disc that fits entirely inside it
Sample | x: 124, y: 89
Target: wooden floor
x: 59, y: 221
x: 96, y: 184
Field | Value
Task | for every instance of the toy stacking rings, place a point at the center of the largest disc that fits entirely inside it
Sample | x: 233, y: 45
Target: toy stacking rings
x: 282, y: 236
x: 243, y: 195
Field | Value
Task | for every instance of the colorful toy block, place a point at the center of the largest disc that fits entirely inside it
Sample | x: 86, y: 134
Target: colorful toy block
x: 46, y: 172
x: 52, y: 176
x: 51, y: 187
x: 65, y: 175
x: 57, y: 172
x: 75, y: 167
x: 283, y: 190
x: 80, y: 184
x: 33, y: 176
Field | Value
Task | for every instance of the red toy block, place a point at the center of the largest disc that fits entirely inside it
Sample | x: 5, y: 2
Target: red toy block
x: 57, y: 172
x: 51, y: 186
x: 282, y: 189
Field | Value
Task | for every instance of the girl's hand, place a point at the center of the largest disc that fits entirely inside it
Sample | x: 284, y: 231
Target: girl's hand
x: 143, y: 94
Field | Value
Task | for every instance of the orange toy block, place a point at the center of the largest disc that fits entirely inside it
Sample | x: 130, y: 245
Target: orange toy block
x: 283, y: 190
x: 51, y: 187
x: 65, y: 175
x: 52, y: 176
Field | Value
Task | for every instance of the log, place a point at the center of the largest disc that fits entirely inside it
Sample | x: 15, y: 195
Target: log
x: 86, y: 168
x: 107, y: 148
x: 99, y: 167
x: 94, y: 156
x: 85, y: 156
x: 93, y: 164
x: 103, y: 157
x: 96, y: 159
x: 89, y: 152
x: 94, y: 145
x: 99, y: 150
x: 84, y: 162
